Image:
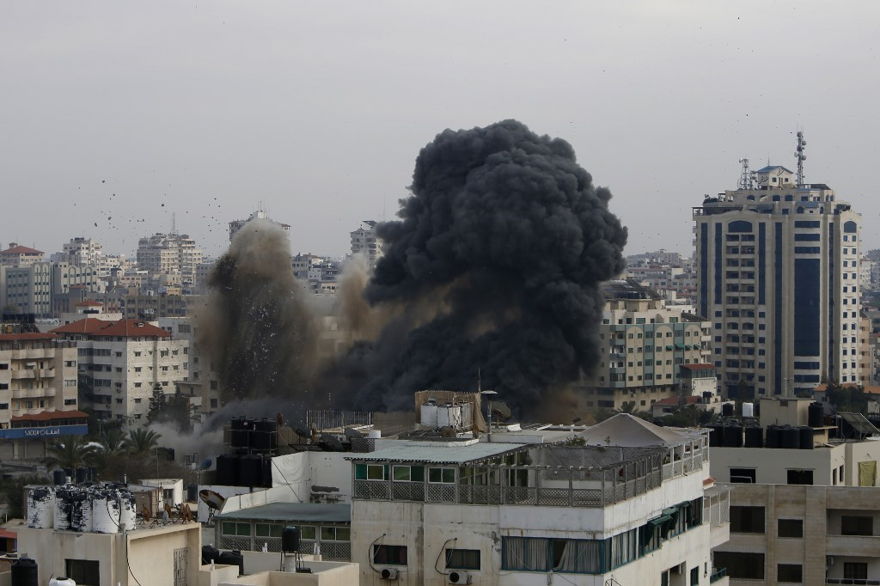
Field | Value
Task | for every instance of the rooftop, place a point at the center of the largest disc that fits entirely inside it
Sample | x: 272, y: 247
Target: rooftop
x: 301, y: 512
x: 627, y: 431
x: 21, y: 250
x: 460, y: 454
x: 126, y: 328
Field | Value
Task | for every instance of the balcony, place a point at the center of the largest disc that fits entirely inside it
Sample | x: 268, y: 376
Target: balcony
x: 853, y: 545
x: 717, y: 575
x: 32, y: 393
x: 21, y: 373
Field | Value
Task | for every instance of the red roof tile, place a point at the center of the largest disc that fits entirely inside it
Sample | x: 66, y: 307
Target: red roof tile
x: 7, y: 534
x: 51, y: 416
x: 21, y: 250
x: 27, y: 336
x: 126, y: 328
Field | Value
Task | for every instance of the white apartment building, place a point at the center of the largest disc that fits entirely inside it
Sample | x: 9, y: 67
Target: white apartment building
x: 643, y: 344
x: 260, y: 214
x: 624, y: 502
x: 27, y: 288
x: 778, y: 276
x: 808, y: 513
x: 170, y: 254
x: 122, y: 363
x: 364, y: 241
x: 38, y: 393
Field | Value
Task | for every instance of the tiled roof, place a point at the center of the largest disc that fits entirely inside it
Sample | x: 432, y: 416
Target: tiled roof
x: 27, y: 336
x: 126, y: 328
x: 21, y: 250
x: 51, y: 416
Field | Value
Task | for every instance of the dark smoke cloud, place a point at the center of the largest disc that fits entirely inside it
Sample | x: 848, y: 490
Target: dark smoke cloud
x: 256, y: 328
x: 494, y: 266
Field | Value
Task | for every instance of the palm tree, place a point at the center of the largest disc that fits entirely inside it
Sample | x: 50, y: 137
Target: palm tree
x: 141, y: 441
x: 112, y: 440
x: 73, y: 452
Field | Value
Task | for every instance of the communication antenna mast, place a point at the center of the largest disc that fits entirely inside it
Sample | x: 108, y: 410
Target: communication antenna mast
x: 174, y: 222
x: 801, y: 156
x: 745, y: 178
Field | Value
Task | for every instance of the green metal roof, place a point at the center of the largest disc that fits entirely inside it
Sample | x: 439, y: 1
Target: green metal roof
x: 302, y: 512
x: 439, y: 454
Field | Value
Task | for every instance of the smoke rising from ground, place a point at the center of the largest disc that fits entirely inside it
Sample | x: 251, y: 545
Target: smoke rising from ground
x: 256, y: 328
x: 506, y: 239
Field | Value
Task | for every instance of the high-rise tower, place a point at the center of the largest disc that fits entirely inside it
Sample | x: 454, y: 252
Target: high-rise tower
x: 778, y: 276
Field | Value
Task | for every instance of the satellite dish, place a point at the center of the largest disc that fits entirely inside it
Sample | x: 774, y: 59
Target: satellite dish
x: 214, y: 500
x: 206, y: 464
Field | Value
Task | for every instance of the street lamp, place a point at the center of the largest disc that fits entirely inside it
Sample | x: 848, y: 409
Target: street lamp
x: 488, y: 396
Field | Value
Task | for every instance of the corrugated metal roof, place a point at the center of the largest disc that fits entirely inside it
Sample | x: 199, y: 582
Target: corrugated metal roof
x: 303, y: 512
x: 440, y: 455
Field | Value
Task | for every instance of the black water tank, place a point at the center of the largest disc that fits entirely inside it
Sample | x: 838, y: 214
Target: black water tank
x: 58, y: 477
x: 290, y: 539
x: 727, y: 409
x: 733, y: 436
x: 250, y: 470
x: 754, y: 437
x: 806, y: 438
x: 210, y: 554
x: 816, y: 417
x: 240, y: 432
x: 227, y: 470
x: 192, y: 493
x: 772, y: 438
x: 24, y: 572
x: 232, y: 558
x: 265, y: 435
x: 791, y: 438
x: 266, y: 475
x: 716, y: 437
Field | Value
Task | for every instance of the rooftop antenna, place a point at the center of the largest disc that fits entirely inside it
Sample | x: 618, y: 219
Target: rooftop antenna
x: 745, y: 178
x: 800, y: 155
x: 479, y: 381
x: 174, y: 222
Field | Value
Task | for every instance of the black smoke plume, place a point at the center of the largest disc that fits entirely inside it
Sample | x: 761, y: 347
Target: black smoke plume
x: 256, y: 328
x: 493, y: 267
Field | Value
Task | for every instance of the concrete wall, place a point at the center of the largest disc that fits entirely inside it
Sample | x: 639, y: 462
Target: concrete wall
x: 149, y: 553
x: 772, y: 464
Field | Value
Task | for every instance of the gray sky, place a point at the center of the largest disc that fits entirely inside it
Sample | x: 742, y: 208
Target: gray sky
x: 318, y: 109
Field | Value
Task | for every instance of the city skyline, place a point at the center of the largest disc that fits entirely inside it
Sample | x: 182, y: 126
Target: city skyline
x: 205, y: 111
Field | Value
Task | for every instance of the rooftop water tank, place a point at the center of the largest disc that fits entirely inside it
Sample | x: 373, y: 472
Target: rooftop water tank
x: 748, y: 409
x: 429, y: 414
x: 449, y: 415
x: 40, y: 507
x: 105, y: 510
x: 24, y: 572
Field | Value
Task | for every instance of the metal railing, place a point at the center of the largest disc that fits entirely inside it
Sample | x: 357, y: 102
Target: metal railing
x: 717, y: 574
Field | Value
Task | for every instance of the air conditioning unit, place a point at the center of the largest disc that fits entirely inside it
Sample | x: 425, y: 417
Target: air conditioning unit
x: 389, y: 574
x: 458, y: 578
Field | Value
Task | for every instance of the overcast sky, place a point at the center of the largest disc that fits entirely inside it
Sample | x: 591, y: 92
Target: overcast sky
x: 122, y: 113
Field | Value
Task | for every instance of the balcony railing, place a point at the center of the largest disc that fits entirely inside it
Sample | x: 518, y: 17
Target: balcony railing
x: 717, y: 574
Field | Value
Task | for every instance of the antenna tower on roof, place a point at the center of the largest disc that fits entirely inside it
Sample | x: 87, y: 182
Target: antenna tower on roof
x: 800, y: 155
x: 745, y: 178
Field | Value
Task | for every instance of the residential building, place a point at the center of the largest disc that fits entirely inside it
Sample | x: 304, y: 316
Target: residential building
x: 170, y: 254
x: 154, y: 306
x: 778, y: 272
x: 364, y: 241
x: 38, y: 393
x: 624, y: 502
x: 804, y: 504
x: 643, y: 344
x: 19, y: 256
x: 260, y: 214
x: 123, y: 363
x: 27, y: 288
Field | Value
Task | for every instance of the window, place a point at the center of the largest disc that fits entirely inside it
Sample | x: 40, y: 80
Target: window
x: 391, y: 555
x: 86, y: 572
x: 463, y: 559
x: 853, y: 525
x: 335, y: 534
x: 748, y: 566
x: 695, y: 575
x: 409, y: 474
x: 789, y: 573
x: 66, y: 402
x: 441, y: 475
x: 791, y: 528
x: 268, y: 530
x: 370, y: 472
x: 800, y: 477
x: 233, y: 528
x: 855, y: 570
x: 308, y: 532
x: 742, y: 475
x: 746, y: 519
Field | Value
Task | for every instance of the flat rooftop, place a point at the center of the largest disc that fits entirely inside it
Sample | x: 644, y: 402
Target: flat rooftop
x: 302, y: 512
x: 466, y: 454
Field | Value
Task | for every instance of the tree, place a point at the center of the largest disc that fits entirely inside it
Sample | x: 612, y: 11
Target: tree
x: 140, y: 441
x: 173, y: 409
x: 73, y: 452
